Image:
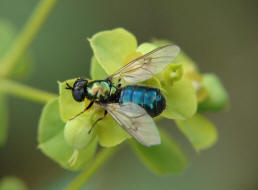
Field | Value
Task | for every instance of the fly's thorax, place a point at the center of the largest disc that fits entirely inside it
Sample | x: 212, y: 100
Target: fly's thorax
x: 100, y: 90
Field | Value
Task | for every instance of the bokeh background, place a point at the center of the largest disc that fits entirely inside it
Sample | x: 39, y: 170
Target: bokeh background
x: 221, y: 36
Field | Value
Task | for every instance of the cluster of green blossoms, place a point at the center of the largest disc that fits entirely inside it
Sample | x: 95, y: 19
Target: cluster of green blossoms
x: 188, y: 93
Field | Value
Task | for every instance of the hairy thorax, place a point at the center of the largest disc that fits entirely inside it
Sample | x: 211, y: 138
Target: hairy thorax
x: 100, y: 90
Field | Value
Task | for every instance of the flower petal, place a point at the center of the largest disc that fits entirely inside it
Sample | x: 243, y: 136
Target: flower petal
x: 112, y: 47
x: 96, y: 71
x: 181, y: 100
x: 182, y: 58
x: 199, y: 131
x: 110, y: 133
x: 217, y: 98
x: 146, y: 48
x: 161, y: 159
x: 52, y: 141
x: 153, y: 82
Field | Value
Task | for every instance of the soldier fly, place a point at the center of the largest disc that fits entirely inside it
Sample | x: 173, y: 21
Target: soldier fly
x: 132, y: 106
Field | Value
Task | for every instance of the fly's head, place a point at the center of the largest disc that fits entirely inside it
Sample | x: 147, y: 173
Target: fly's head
x: 78, y: 89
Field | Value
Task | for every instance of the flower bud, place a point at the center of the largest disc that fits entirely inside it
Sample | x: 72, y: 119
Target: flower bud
x: 217, y: 97
x: 77, y: 132
x: 197, y: 81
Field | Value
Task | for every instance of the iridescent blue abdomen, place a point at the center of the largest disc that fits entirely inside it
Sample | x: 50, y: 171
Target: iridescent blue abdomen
x: 151, y: 99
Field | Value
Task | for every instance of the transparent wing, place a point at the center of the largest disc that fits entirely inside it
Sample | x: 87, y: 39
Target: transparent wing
x: 148, y: 65
x: 136, y: 121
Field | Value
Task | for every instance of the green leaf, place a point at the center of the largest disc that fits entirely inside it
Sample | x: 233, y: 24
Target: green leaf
x: 68, y: 106
x: 112, y: 47
x: 7, y: 37
x: 217, y: 98
x: 96, y: 71
x: 110, y: 133
x: 199, y: 131
x: 3, y: 119
x: 12, y: 183
x: 161, y: 159
x: 181, y: 100
x: 52, y: 141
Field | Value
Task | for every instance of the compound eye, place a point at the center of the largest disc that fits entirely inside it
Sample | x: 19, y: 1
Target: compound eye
x: 79, y: 94
x: 79, y: 89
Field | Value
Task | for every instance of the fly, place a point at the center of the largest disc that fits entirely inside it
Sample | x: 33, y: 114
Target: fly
x: 132, y: 106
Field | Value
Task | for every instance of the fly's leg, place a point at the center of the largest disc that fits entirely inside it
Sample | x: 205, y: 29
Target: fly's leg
x: 99, y: 119
x: 88, y: 107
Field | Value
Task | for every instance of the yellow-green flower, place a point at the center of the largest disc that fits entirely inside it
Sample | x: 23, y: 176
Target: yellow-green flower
x: 182, y: 84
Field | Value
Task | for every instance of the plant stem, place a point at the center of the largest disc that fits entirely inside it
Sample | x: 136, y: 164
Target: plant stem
x: 100, y: 159
x: 26, y: 92
x: 26, y: 36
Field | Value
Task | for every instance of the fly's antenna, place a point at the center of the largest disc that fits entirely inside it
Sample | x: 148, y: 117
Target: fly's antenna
x: 68, y: 87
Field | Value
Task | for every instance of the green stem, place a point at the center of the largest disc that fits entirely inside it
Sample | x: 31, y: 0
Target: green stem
x: 26, y: 92
x: 100, y: 159
x: 26, y: 36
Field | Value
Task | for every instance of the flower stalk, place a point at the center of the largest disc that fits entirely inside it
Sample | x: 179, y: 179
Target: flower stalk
x: 26, y: 36
x: 25, y: 92
x: 102, y: 157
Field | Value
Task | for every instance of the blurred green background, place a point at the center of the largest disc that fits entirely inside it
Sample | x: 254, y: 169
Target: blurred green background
x: 221, y: 36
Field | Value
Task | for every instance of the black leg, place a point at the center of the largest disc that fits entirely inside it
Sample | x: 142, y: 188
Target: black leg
x: 88, y: 107
x: 99, y: 119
